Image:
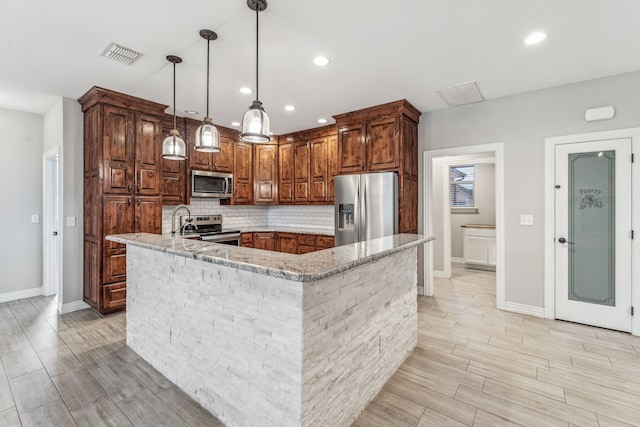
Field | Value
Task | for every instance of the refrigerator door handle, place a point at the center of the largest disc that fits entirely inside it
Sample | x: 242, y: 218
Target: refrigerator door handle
x: 356, y: 213
x: 363, y: 221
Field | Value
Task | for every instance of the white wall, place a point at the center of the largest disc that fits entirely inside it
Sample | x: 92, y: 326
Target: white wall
x: 522, y: 122
x: 21, y: 194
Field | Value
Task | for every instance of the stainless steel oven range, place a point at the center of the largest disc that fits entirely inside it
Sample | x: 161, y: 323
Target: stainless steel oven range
x: 208, y: 228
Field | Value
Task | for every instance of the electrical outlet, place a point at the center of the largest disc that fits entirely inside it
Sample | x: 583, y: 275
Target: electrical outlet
x: 35, y: 219
x: 526, y: 219
x: 71, y: 221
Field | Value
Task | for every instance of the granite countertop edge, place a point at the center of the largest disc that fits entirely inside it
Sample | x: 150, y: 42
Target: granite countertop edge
x: 255, y: 258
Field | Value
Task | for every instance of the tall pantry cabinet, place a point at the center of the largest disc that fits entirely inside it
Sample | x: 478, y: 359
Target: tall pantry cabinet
x: 122, y: 187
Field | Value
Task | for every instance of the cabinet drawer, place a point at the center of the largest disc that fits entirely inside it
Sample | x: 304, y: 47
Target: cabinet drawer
x: 114, y: 296
x: 246, y: 238
x: 305, y: 249
x: 307, y: 239
x: 325, y: 242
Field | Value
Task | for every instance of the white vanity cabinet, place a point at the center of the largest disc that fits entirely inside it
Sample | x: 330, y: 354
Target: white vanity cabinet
x: 479, y: 246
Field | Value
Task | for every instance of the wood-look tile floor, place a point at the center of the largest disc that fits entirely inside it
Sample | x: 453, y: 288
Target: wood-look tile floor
x: 474, y: 366
x: 478, y: 366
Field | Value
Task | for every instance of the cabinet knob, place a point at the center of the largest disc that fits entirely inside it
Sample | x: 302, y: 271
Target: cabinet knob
x: 138, y: 200
x: 129, y: 201
x: 138, y: 187
x: 129, y: 187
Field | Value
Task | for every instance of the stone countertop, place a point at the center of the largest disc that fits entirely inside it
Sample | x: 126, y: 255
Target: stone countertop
x: 298, y: 230
x: 303, y: 268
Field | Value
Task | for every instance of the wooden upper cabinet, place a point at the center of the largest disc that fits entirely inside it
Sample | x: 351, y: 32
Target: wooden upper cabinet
x: 285, y: 173
x: 243, y: 174
x: 223, y: 160
x: 332, y: 166
x: 318, y: 166
x: 173, y: 180
x: 118, y: 150
x: 351, y: 148
x: 148, y: 154
x: 301, y: 172
x: 383, y: 144
x: 265, y: 173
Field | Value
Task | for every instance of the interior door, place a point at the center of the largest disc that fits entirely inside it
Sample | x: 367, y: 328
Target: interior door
x: 593, y: 233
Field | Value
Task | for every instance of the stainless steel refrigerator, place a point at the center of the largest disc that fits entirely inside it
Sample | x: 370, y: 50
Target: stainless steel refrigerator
x: 366, y: 206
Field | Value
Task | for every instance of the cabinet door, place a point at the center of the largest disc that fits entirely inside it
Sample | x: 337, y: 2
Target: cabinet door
x: 318, y: 170
x: 266, y: 241
x: 246, y: 240
x: 118, y: 219
x: 383, y: 144
x: 332, y: 165
x: 491, y: 251
x: 148, y: 212
x: 285, y: 175
x: 301, y: 172
x: 265, y: 173
x: 288, y: 243
x: 118, y: 150
x: 243, y: 174
x: 148, y: 154
x: 325, y: 242
x: 475, y: 250
x: 223, y: 160
x: 197, y: 159
x: 351, y: 148
x: 173, y: 180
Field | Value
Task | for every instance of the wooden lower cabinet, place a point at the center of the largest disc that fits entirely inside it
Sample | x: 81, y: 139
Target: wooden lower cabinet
x: 246, y: 240
x: 288, y: 243
x: 325, y: 242
x: 266, y: 241
x: 114, y: 296
x: 306, y: 243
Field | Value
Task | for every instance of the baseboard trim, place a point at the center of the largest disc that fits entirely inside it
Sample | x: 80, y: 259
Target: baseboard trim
x: 439, y: 274
x: 26, y: 293
x: 74, y: 306
x: 524, y: 309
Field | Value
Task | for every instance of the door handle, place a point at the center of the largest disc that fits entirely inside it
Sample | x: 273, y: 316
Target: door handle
x: 563, y: 240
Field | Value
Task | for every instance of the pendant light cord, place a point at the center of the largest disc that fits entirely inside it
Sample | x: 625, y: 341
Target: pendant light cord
x: 257, y: 50
x: 208, y: 41
x: 174, y: 95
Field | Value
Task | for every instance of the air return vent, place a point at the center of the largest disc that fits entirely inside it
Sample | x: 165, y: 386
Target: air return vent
x: 120, y: 54
x: 461, y: 94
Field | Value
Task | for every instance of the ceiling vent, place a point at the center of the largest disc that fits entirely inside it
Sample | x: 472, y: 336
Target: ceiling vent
x: 461, y: 94
x: 120, y: 54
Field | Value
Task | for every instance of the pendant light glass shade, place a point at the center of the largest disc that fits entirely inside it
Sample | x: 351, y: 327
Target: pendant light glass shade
x: 173, y: 146
x: 207, y: 135
x: 255, y: 123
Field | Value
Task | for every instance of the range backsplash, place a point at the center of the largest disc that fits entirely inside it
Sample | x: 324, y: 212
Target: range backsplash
x: 320, y: 218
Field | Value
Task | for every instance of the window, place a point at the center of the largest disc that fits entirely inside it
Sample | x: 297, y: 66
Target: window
x: 461, y: 189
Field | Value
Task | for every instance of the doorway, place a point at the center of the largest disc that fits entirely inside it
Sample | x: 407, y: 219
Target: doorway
x: 52, y: 236
x: 486, y: 153
x: 590, y: 216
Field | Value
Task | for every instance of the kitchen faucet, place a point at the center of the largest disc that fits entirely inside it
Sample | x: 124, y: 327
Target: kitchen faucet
x: 173, y: 219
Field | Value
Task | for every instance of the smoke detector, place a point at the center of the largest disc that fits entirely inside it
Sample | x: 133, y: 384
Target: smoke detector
x: 120, y: 54
x: 461, y: 94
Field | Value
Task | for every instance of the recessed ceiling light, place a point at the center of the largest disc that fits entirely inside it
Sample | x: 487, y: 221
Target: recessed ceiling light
x: 246, y: 90
x: 235, y: 123
x: 535, y: 38
x: 290, y: 108
x: 321, y: 61
x: 192, y: 112
x: 322, y: 121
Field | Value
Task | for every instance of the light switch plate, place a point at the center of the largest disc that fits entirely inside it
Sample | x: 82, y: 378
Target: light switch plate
x: 71, y: 221
x: 35, y: 219
x: 526, y: 219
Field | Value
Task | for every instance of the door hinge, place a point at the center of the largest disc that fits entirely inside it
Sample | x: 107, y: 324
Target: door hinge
x: 632, y: 310
x: 631, y: 234
x: 632, y: 158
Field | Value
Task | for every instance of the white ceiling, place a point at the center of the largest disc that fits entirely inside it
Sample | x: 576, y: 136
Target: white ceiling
x: 381, y: 51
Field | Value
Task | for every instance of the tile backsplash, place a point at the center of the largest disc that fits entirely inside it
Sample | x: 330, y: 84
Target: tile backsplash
x: 313, y: 217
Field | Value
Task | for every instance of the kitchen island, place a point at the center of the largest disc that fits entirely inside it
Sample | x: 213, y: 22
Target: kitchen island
x: 263, y: 338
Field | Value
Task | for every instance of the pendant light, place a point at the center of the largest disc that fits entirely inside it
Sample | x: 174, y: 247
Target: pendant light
x: 207, y: 135
x: 255, y: 123
x: 173, y: 146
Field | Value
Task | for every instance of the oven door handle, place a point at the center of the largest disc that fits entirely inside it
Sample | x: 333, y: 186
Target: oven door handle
x: 226, y: 185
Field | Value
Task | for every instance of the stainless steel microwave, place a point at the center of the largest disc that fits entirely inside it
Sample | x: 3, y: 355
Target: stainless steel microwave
x: 211, y: 184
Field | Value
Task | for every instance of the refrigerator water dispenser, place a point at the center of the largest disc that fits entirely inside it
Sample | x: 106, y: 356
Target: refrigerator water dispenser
x: 345, y: 217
